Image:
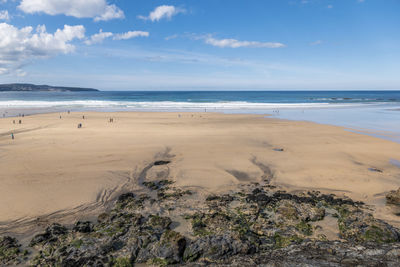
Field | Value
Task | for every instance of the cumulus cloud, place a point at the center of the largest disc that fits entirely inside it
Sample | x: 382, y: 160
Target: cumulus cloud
x: 233, y: 43
x: 162, y: 12
x: 4, y: 15
x: 98, y: 37
x: 97, y: 9
x: 19, y: 46
x: 101, y: 36
x: 130, y: 35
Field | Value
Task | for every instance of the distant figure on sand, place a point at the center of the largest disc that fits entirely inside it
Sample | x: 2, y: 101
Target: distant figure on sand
x: 20, y: 122
x: 111, y: 120
x: 83, y: 117
x: 13, y: 121
x: 79, y: 125
x: 68, y: 112
x: 12, y: 136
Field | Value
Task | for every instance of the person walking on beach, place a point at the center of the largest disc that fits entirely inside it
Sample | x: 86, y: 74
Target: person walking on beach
x: 12, y: 136
x: 13, y: 121
x: 20, y: 122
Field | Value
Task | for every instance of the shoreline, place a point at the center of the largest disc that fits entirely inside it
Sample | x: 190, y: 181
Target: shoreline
x: 202, y: 147
x: 373, y: 119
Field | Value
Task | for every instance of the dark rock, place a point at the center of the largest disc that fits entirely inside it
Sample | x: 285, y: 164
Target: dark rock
x: 375, y: 170
x: 161, y: 162
x: 9, y: 250
x: 328, y: 254
x: 215, y: 247
x: 158, y: 223
x: 103, y: 217
x: 170, y: 248
x: 151, y: 185
x: 393, y: 197
x: 360, y: 227
x: 88, y: 257
x: 51, y: 234
x: 255, y: 225
x: 125, y: 197
x: 7, y: 242
x: 259, y: 198
x: 83, y: 227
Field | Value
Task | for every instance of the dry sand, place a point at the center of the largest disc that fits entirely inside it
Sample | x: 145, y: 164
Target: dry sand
x: 52, y: 166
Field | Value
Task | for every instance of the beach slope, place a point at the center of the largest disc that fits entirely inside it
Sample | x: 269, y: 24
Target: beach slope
x: 54, y: 168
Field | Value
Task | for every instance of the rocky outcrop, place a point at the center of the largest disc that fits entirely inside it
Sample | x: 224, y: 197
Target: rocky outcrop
x: 358, y: 226
x: 255, y: 225
x: 393, y: 197
x: 10, y: 253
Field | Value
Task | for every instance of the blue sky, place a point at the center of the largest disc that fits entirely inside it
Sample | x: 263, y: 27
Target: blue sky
x: 202, y: 45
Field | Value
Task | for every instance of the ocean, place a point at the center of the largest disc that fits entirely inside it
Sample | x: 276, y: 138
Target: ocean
x: 371, y: 112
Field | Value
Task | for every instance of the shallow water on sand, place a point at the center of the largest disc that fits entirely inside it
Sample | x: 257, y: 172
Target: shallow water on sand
x: 376, y: 120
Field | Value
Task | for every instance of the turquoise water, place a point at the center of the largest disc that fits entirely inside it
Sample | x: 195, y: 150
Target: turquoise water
x: 373, y: 112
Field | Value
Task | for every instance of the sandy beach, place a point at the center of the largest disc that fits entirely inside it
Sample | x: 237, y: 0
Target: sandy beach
x: 52, y: 167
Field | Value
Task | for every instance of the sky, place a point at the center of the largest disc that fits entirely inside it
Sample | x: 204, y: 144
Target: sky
x: 202, y: 45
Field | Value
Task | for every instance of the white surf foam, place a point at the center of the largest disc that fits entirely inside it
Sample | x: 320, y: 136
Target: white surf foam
x: 168, y: 105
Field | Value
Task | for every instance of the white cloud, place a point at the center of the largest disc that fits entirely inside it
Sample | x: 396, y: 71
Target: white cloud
x: 101, y: 36
x: 130, y: 35
x: 170, y: 37
x: 163, y: 12
x: 98, y: 37
x: 96, y: 9
x: 21, y: 46
x: 318, y: 42
x: 110, y: 12
x: 233, y: 43
x: 4, y: 15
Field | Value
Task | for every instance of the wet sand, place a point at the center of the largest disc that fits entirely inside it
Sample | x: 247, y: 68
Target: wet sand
x: 52, y: 167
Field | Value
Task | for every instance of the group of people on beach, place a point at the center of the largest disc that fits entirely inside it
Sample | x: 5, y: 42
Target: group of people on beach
x: 19, y: 122
x: 80, y: 125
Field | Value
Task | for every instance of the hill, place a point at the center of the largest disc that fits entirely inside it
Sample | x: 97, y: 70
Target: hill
x: 25, y: 87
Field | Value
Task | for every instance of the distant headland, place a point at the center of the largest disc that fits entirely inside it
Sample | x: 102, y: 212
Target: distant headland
x: 25, y: 87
